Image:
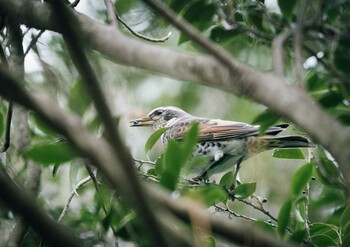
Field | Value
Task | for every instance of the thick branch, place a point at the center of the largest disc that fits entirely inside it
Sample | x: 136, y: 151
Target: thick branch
x: 264, y: 88
x: 21, y: 202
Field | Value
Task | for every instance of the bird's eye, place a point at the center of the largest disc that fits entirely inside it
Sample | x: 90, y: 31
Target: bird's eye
x: 159, y: 112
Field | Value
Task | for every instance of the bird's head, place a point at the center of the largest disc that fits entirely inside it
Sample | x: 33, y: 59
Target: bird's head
x: 159, y: 117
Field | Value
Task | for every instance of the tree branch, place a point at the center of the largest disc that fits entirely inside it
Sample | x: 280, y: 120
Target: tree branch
x: 75, y: 47
x: 104, y: 157
x: 277, y: 52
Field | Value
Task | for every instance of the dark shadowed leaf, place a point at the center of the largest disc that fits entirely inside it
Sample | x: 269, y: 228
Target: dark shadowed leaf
x: 200, y: 15
x: 284, y: 217
x: 300, y: 178
x: 154, y: 138
x: 314, y: 82
x: 293, y: 153
x: 227, y: 180
x: 220, y: 35
x: 53, y: 153
x: 328, y: 170
x: 330, y: 99
x: 42, y: 125
x: 287, y: 7
x: 244, y: 190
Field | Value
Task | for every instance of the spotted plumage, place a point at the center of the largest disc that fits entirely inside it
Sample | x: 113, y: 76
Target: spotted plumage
x: 219, y: 140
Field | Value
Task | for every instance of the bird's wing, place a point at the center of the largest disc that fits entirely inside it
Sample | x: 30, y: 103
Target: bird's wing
x: 216, y: 129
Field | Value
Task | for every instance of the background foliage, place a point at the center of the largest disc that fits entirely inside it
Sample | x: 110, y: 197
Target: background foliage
x: 297, y: 196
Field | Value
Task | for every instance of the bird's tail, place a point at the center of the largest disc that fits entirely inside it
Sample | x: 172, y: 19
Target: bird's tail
x: 288, y: 142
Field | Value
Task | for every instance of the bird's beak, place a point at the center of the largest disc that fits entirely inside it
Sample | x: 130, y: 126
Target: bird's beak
x: 145, y: 121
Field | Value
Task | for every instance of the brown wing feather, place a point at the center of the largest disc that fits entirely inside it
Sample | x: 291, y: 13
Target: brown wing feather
x: 216, y: 129
x: 213, y: 129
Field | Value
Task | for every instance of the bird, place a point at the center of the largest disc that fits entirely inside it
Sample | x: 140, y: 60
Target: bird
x: 221, y: 143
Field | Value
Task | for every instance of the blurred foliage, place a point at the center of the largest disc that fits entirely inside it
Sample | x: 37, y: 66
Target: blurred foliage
x: 308, y: 199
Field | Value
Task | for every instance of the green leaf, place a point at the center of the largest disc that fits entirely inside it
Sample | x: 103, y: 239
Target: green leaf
x: 154, y: 138
x: 42, y: 125
x: 53, y: 153
x: 345, y: 218
x: 314, y: 82
x: 244, y: 190
x: 300, y: 179
x: 173, y: 162
x: 79, y: 99
x: 209, y: 241
x: 209, y: 195
x: 222, y: 36
x: 293, y: 153
x: 200, y: 15
x: 284, y: 217
x: 159, y: 164
x: 55, y: 169
x: 345, y: 227
x: 328, y: 170
x: 176, y: 156
x: 227, y: 180
x: 2, y: 124
x: 330, y: 99
x: 190, y: 140
x: 324, y: 234
x: 341, y: 57
x: 287, y: 7
x: 266, y: 119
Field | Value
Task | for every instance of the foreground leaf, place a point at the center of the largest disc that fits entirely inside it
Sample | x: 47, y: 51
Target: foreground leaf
x: 209, y: 195
x: 284, y: 217
x: 266, y: 119
x: 300, y: 178
x: 53, y: 153
x: 154, y: 138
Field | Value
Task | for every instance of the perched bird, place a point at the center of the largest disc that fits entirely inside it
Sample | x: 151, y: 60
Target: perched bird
x: 222, y: 144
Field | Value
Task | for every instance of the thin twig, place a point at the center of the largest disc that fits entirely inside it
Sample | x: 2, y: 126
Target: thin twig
x: 7, y: 140
x: 306, y: 211
x: 96, y: 184
x: 231, y: 213
x: 163, y: 39
x: 35, y: 39
x: 77, y: 186
x: 74, y: 4
x: 111, y: 13
x: 277, y: 52
x: 259, y: 208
